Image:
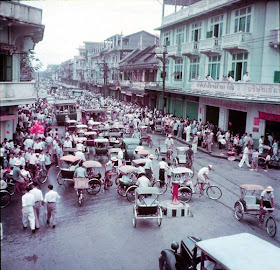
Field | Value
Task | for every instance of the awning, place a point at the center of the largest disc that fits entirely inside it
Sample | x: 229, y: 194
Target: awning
x: 269, y: 116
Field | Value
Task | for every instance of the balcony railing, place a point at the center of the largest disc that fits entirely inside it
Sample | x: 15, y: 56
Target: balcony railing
x: 237, y: 41
x: 248, y: 90
x: 274, y: 37
x: 174, y: 51
x: 210, y: 45
x: 190, y: 48
x: 138, y: 85
x: 17, y: 93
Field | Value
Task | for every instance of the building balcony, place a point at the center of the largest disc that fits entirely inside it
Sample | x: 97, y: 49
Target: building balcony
x: 190, y: 49
x: 210, y: 46
x: 274, y: 38
x: 125, y: 83
x: 247, y: 92
x: 17, y: 93
x: 237, y: 42
x: 174, y: 51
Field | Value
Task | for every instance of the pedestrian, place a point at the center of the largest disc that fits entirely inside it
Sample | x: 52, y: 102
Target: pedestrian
x: 28, y: 202
x: 245, y: 158
x: 255, y: 159
x: 163, y: 166
x: 51, y: 199
x: 194, y: 143
x: 267, y: 159
x: 246, y: 77
x: 38, y: 196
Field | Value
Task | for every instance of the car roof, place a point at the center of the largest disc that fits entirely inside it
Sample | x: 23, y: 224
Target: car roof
x: 249, y: 252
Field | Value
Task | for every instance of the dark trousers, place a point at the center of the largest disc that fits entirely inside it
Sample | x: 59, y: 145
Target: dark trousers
x: 161, y: 175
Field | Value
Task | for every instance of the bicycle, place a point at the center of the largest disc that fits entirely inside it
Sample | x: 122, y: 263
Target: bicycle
x: 41, y: 174
x: 213, y: 192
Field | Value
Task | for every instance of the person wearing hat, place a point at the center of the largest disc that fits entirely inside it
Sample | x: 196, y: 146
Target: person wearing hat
x: 203, y: 175
x: 19, y: 177
x: 149, y: 167
x: 143, y: 181
x: 267, y: 200
x: 81, y: 145
x: 194, y: 143
x: 136, y: 154
x: 169, y: 143
x: 110, y: 165
x: 79, y: 154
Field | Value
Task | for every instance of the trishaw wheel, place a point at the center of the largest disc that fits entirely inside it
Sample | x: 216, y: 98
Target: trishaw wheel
x: 130, y: 193
x: 59, y: 179
x: 159, y: 220
x: 94, y: 187
x: 134, y: 222
x: 161, y: 186
x: 271, y: 226
x: 175, y: 161
x: 157, y: 154
x: 214, y: 192
x: 185, y: 194
x: 238, y: 210
x: 121, y: 191
x: 80, y: 199
x: 117, y: 181
x: 5, y: 198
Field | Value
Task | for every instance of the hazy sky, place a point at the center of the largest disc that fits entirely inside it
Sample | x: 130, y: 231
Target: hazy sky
x: 68, y: 23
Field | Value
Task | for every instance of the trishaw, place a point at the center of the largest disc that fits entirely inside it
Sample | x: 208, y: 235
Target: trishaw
x: 161, y: 150
x: 127, y: 178
x: 117, y: 127
x: 94, y: 126
x: 94, y: 182
x: 67, y: 174
x: 69, y: 151
x: 181, y: 158
x: 91, y: 136
x: 95, y: 114
x: 130, y: 144
x: 249, y: 251
x: 70, y: 125
x: 115, y: 138
x: 81, y: 129
x: 144, y: 153
x: 147, y: 205
x: 159, y: 128
x: 101, y: 147
x: 249, y: 204
x: 145, y: 137
x: 113, y: 152
x: 185, y: 193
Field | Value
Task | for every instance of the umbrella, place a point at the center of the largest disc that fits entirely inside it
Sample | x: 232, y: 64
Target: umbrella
x: 140, y: 161
x: 69, y: 158
x: 92, y: 164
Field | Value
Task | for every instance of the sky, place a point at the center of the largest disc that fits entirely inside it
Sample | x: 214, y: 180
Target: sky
x: 68, y: 23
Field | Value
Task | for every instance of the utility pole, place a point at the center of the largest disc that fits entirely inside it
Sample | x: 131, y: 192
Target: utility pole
x: 163, y: 76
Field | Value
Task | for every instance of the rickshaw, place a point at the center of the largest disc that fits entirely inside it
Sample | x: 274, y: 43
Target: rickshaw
x: 91, y: 136
x: 249, y: 204
x: 70, y: 125
x: 130, y: 144
x: 249, y: 251
x: 129, y: 172
x: 69, y: 151
x: 101, y: 147
x: 81, y: 129
x: 113, y: 152
x: 159, y: 128
x: 145, y: 137
x: 115, y: 138
x: 117, y: 127
x: 181, y: 158
x: 147, y: 205
x: 67, y: 174
x: 161, y: 150
x: 144, y: 153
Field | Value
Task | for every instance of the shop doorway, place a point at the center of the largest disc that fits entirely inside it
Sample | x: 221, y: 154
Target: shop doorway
x: 272, y: 128
x: 237, y: 122
x: 212, y: 115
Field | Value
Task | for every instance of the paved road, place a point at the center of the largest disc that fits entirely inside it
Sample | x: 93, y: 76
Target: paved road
x: 100, y: 235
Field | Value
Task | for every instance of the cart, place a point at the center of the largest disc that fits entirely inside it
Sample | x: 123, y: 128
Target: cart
x: 161, y: 150
x: 147, y: 205
x: 249, y: 204
x: 145, y: 137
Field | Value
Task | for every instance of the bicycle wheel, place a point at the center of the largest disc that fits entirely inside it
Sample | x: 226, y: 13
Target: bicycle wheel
x: 130, y: 193
x: 5, y: 198
x: 271, y: 227
x: 121, y: 191
x: 11, y: 188
x: 94, y: 187
x: 59, y: 179
x: 161, y: 186
x: 185, y: 194
x: 80, y: 198
x: 238, y: 210
x: 213, y: 192
x: 157, y: 154
x: 42, y: 176
x: 117, y: 181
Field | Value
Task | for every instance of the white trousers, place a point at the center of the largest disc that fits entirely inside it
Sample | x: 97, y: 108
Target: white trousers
x: 194, y: 147
x: 244, y: 159
x: 28, y: 215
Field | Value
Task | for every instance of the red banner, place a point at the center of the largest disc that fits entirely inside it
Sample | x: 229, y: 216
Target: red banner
x: 269, y: 116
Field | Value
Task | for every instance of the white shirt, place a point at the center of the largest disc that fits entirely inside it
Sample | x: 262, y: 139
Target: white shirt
x: 51, y: 196
x: 203, y: 171
x: 38, y: 195
x: 163, y: 165
x: 143, y: 181
x: 80, y: 155
x: 67, y: 144
x: 169, y: 142
x: 267, y: 196
x: 246, y: 151
x: 246, y: 78
x: 149, y: 165
x: 120, y: 154
x: 28, y: 199
x: 33, y: 159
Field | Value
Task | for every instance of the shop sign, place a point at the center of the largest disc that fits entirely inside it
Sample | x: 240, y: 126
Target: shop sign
x: 224, y: 103
x: 256, y: 121
x: 269, y: 116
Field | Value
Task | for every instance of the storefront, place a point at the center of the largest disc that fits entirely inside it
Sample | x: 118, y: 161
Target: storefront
x: 237, y: 121
x: 272, y: 124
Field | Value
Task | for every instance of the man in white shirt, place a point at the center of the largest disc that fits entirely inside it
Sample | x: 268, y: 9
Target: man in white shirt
x: 230, y: 79
x: 163, y: 166
x: 79, y: 154
x: 203, y: 174
x: 245, y: 158
x: 51, y: 198
x: 267, y: 200
x: 246, y: 77
x: 28, y: 143
x: 143, y: 181
x: 149, y: 167
x: 28, y: 201
x: 38, y: 196
x: 67, y: 143
x: 120, y: 157
x: 169, y: 142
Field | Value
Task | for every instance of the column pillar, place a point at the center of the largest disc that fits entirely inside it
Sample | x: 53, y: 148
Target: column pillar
x: 223, y: 118
x: 202, y: 112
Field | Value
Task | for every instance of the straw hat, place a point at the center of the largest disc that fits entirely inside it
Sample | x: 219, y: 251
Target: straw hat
x: 114, y: 159
x: 269, y: 188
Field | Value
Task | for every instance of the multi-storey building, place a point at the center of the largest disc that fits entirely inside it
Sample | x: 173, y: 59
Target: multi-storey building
x: 20, y: 29
x: 218, y: 38
x: 66, y: 71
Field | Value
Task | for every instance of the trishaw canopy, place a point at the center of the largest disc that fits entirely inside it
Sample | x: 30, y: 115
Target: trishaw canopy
x: 128, y: 169
x: 144, y: 152
x: 88, y: 133
x: 101, y: 140
x: 71, y: 121
x: 182, y: 148
x: 92, y: 164
x: 81, y: 126
x: 69, y: 158
x: 147, y: 190
x: 140, y: 161
x: 114, y: 150
x: 251, y: 187
x: 180, y: 170
x: 249, y: 251
x: 82, y: 139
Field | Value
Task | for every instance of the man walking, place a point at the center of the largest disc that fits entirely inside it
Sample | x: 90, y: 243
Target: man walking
x: 38, y: 196
x: 245, y: 158
x: 28, y: 202
x: 51, y: 199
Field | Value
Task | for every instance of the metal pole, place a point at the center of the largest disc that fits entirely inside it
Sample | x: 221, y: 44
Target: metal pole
x: 163, y: 81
